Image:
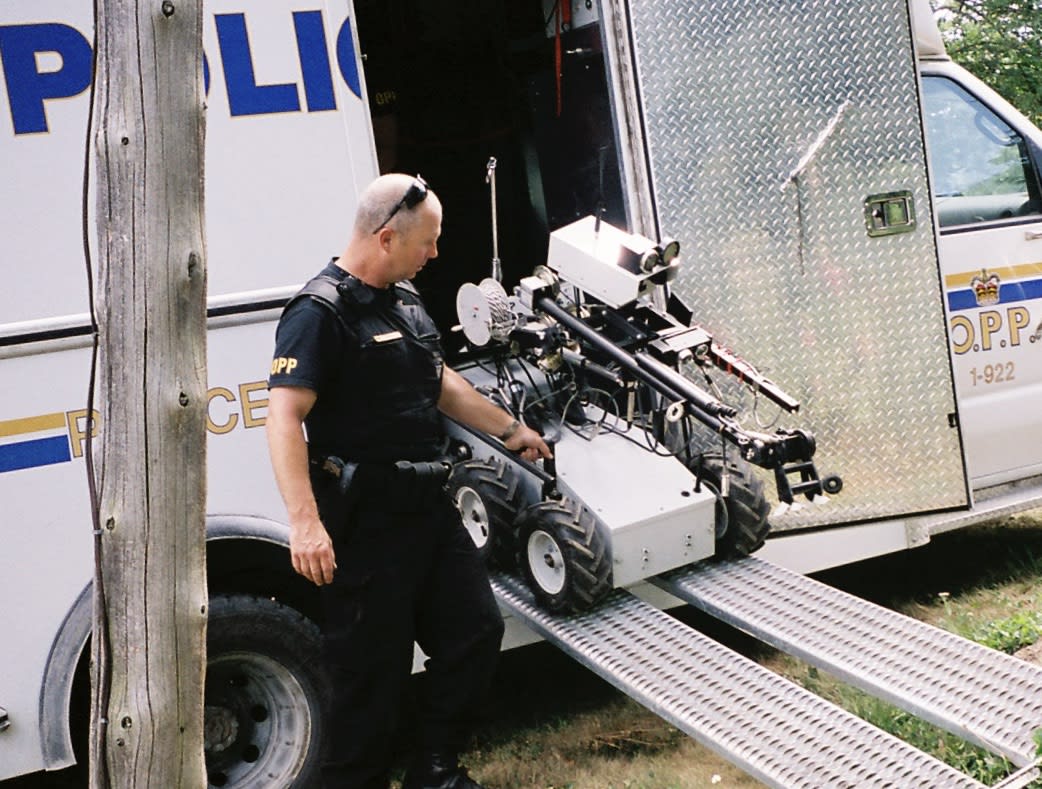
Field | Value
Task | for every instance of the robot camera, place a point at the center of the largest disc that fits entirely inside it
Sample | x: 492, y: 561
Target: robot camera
x: 610, y: 264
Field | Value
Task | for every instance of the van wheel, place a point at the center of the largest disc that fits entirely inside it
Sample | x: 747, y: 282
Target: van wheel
x: 263, y: 717
x: 564, y: 555
x: 487, y: 494
x: 741, y: 516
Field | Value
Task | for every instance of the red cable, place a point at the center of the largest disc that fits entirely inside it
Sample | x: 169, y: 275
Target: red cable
x: 558, y: 61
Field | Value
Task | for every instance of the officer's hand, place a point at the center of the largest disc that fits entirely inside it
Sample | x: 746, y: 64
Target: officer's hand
x: 311, y: 551
x: 528, y: 443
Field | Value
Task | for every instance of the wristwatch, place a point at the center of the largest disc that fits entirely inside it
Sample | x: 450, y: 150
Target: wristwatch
x: 512, y: 428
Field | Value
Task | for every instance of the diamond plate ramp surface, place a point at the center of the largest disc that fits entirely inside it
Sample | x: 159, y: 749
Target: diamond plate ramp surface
x: 980, y: 694
x: 780, y: 733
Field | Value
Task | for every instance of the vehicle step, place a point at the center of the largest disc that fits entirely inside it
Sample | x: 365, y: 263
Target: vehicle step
x: 980, y: 694
x: 988, y: 504
x: 780, y: 733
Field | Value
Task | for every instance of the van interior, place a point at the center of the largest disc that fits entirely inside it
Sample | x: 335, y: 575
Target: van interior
x: 454, y: 83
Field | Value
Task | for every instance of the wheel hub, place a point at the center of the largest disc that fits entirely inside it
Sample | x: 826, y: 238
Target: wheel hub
x: 220, y: 728
x: 256, y: 709
x: 474, y: 515
x: 546, y: 562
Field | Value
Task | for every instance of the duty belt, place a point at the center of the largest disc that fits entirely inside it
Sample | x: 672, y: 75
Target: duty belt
x: 403, y: 478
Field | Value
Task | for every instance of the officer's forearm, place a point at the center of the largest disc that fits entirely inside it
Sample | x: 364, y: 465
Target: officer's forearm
x: 465, y: 404
x: 289, y: 460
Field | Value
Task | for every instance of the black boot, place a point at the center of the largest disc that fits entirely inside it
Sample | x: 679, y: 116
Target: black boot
x: 438, y: 771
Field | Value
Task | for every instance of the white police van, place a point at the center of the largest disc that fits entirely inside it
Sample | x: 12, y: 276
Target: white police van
x: 288, y: 148
x: 810, y: 236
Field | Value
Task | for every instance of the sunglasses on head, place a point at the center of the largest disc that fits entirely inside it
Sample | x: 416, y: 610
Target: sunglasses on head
x: 414, y: 195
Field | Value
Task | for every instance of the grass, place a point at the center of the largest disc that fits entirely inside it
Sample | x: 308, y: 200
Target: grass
x: 1012, y: 633
x: 975, y: 762
x: 557, y: 726
x: 618, y: 745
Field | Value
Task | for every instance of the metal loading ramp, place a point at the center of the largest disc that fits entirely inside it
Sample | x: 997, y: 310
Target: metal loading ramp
x: 775, y: 730
x: 977, y: 693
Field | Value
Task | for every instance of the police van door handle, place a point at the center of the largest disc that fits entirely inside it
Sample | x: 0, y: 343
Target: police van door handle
x: 1033, y: 235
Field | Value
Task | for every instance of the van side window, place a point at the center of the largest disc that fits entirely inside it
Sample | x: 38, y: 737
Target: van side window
x: 981, y: 169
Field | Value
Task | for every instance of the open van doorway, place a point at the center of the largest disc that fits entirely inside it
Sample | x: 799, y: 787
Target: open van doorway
x: 451, y: 85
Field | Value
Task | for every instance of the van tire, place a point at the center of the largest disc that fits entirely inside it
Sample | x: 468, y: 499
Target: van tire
x: 264, y: 692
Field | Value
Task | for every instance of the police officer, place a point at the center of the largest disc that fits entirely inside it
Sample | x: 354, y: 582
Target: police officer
x: 354, y: 428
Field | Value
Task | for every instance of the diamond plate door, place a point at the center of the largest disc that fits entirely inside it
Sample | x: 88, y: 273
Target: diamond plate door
x: 767, y: 128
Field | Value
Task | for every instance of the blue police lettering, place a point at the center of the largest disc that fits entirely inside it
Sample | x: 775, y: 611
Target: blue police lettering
x: 245, y: 96
x: 314, y: 60
x: 345, y: 55
x: 29, y: 87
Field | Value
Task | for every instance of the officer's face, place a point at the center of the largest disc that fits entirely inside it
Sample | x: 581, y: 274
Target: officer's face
x: 417, y: 242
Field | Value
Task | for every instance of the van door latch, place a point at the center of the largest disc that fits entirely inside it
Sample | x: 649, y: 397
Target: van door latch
x: 889, y: 213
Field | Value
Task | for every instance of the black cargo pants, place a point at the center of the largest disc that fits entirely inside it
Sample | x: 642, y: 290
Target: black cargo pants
x: 407, y: 571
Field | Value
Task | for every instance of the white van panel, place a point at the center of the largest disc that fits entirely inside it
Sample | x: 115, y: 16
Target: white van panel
x: 285, y: 91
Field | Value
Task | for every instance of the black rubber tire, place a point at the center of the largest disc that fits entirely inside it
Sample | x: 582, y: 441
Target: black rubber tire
x: 742, y: 525
x: 571, y: 542
x: 488, y: 495
x: 264, y: 694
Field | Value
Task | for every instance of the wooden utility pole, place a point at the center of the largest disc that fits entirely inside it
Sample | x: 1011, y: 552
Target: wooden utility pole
x: 150, y: 607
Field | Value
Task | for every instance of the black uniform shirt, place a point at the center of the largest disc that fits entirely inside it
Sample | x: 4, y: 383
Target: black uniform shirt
x: 376, y: 369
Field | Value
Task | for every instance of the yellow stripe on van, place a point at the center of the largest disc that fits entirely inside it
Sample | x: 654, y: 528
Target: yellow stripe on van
x: 963, y: 279
x: 31, y: 424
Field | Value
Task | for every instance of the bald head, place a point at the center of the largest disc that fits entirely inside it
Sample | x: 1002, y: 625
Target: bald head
x: 384, y: 249
x: 379, y: 199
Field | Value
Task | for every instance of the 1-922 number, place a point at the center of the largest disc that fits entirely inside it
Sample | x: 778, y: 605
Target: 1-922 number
x: 993, y: 373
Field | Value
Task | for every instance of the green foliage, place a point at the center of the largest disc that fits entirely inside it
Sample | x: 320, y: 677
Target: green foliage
x: 998, y: 41
x: 1012, y: 633
x: 974, y: 761
x: 970, y: 759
